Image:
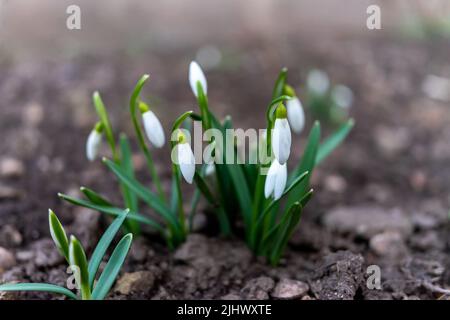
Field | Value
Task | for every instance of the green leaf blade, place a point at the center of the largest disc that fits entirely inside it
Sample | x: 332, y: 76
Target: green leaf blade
x: 103, y: 245
x: 42, y: 287
x: 112, y: 268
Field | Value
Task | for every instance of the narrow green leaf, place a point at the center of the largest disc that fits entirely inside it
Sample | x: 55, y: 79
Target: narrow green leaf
x: 113, y: 211
x: 78, y: 258
x: 130, y: 198
x: 103, y: 245
x: 203, y: 187
x: 44, y: 287
x: 241, y: 189
x: 292, y: 186
x: 287, y: 226
x: 279, y: 84
x: 145, y: 194
x: 103, y: 115
x: 112, y: 268
x: 95, y: 198
x: 306, y: 164
x: 334, y: 141
x: 58, y: 234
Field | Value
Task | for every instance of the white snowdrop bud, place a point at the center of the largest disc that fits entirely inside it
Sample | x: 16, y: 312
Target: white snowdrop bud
x: 152, y: 126
x: 281, y: 135
x: 93, y: 142
x: 196, y: 75
x: 295, y: 114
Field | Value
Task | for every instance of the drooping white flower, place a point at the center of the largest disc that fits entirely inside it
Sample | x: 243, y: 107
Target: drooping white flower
x: 295, y: 114
x: 185, y: 158
x: 153, y: 129
x: 93, y: 142
x: 281, y: 136
x: 275, y: 180
x: 318, y: 81
x: 342, y: 96
x: 196, y: 75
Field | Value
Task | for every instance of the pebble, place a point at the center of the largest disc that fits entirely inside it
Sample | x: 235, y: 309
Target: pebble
x: 140, y: 281
x: 289, y: 289
x: 258, y: 288
x: 11, y: 167
x: 388, y: 244
x: 7, y: 259
x: 367, y: 221
x: 9, y: 236
x: 9, y: 193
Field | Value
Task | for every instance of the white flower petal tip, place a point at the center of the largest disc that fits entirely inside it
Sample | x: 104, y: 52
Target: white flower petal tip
x: 318, y: 81
x: 153, y: 129
x: 186, y: 161
x: 281, y: 140
x: 210, y: 169
x: 342, y: 96
x: 196, y: 75
x: 296, y: 115
x: 93, y: 144
x: 276, y: 180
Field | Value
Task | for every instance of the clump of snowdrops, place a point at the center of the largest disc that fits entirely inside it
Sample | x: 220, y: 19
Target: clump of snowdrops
x: 84, y: 271
x: 329, y: 103
x: 269, y: 200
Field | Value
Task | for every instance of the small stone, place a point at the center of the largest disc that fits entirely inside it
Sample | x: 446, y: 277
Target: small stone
x: 45, y: 253
x: 195, y: 246
x: 290, y: 289
x: 7, y: 259
x: 8, y: 193
x: 258, y: 288
x: 9, y: 236
x: 392, y: 141
x: 10, y: 167
x: 33, y: 114
x: 388, y: 244
x: 367, y: 221
x: 335, y: 183
x: 231, y: 296
x: 140, y: 281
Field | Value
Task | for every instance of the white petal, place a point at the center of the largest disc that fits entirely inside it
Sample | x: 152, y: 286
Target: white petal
x: 343, y: 96
x: 196, y: 74
x: 270, y: 179
x: 280, y: 181
x: 281, y: 140
x: 318, y: 81
x: 153, y: 129
x: 93, y: 144
x: 296, y: 115
x: 186, y: 161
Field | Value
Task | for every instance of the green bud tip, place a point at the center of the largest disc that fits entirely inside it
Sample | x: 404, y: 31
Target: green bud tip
x: 289, y: 91
x: 99, y: 127
x: 143, y: 107
x: 281, y: 112
x: 181, y: 138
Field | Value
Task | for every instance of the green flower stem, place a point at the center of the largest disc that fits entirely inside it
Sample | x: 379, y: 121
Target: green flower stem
x: 140, y: 136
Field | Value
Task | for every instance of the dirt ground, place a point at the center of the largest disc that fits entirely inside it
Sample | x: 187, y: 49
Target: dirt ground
x: 382, y: 198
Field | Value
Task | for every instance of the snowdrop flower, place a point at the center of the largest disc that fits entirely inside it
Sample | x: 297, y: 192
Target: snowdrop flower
x: 210, y: 169
x: 275, y: 180
x: 196, y: 75
x: 281, y: 135
x: 318, y: 81
x: 185, y: 158
x: 295, y: 114
x: 93, y: 142
x: 342, y: 96
x: 152, y: 126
